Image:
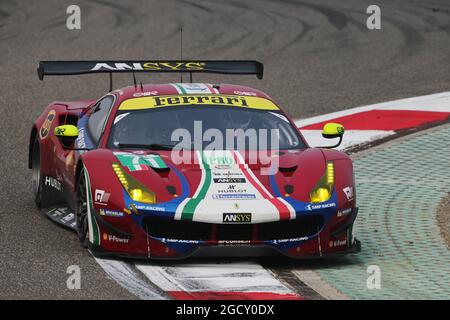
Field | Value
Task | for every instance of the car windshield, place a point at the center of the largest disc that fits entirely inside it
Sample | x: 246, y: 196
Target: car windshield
x: 194, y: 127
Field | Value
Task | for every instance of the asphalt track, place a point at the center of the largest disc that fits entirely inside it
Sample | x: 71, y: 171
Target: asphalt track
x: 319, y: 57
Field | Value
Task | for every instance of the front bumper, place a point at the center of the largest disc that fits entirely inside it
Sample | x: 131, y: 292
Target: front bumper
x: 307, y: 237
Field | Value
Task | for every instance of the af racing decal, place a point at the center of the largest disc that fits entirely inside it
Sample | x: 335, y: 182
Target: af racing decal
x: 45, y: 128
x: 348, y: 191
x: 101, y: 197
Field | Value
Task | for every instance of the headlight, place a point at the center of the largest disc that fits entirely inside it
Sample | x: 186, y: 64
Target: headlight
x: 136, y: 190
x: 324, y: 188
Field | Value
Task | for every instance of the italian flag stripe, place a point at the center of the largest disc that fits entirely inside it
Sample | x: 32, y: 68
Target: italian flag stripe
x: 94, y: 232
x: 282, y: 208
x: 191, y: 205
x: 179, y: 88
x: 210, y: 88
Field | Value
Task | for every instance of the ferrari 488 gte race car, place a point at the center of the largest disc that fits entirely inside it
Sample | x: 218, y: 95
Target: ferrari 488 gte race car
x: 112, y: 169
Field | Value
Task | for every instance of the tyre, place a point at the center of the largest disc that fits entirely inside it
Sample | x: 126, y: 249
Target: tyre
x: 81, y: 210
x: 42, y: 197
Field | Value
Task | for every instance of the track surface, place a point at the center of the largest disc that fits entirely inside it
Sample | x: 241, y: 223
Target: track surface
x: 319, y: 58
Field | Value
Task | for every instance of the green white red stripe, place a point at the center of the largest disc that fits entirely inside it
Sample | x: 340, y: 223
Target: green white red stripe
x: 213, y: 198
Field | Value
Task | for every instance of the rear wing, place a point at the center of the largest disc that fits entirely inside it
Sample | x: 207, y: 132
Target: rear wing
x: 63, y: 68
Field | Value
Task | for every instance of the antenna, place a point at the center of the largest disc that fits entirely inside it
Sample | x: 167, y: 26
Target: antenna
x: 181, y: 49
x: 134, y: 80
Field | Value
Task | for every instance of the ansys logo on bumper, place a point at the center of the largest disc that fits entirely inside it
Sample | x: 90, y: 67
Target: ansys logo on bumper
x: 237, y: 217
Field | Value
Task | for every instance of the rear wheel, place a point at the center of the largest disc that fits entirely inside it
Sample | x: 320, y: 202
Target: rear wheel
x: 81, y: 210
x: 41, y: 197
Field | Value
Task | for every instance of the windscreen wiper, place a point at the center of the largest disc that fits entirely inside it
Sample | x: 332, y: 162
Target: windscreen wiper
x: 152, y: 146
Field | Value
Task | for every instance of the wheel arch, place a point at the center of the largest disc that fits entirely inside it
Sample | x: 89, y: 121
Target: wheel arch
x: 33, y: 136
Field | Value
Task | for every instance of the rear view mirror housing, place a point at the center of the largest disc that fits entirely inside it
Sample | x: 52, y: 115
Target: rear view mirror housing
x: 333, y: 130
x: 67, y: 134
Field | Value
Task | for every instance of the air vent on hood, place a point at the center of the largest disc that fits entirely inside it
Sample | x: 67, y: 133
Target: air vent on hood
x: 287, y: 171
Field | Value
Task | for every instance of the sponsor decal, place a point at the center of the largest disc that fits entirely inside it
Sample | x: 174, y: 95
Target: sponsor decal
x: 232, y: 189
x: 278, y: 241
x: 101, y: 197
x: 227, y: 174
x: 150, y: 208
x: 45, y: 128
x: 229, y: 180
x: 337, y: 243
x: 344, y: 212
x: 234, y: 242
x: 111, y: 213
x: 113, y: 238
x: 348, y: 191
x: 234, y: 196
x: 234, y: 101
x: 81, y: 140
x: 194, y: 87
x: 180, y: 241
x: 136, y: 162
x: 207, y: 99
x: 145, y: 94
x: 237, y: 217
x: 218, y: 160
x: 54, y: 183
x: 150, y: 66
x: 245, y: 93
x: 311, y: 207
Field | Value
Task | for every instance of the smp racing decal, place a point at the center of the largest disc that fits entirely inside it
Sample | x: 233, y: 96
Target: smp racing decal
x: 310, y: 207
x: 45, y: 129
x: 150, y: 66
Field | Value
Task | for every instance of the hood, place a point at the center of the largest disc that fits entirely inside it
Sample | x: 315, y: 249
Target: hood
x: 224, y: 186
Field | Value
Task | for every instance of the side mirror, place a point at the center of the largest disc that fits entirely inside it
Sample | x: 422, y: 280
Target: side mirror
x: 67, y: 134
x: 333, y: 130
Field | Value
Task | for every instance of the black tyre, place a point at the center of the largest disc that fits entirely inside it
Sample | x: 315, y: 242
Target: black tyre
x: 41, y: 196
x: 81, y: 211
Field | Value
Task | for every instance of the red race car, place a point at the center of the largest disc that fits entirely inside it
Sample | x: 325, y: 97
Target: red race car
x: 166, y: 171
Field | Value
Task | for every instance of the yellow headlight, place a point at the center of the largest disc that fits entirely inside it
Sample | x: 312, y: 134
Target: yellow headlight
x: 320, y: 195
x: 324, y: 188
x: 136, y: 190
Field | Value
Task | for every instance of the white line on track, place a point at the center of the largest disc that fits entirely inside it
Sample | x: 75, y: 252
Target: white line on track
x: 220, y: 277
x: 123, y: 274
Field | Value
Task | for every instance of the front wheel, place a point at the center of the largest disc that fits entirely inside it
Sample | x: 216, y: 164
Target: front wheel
x: 81, y: 210
x: 41, y: 196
